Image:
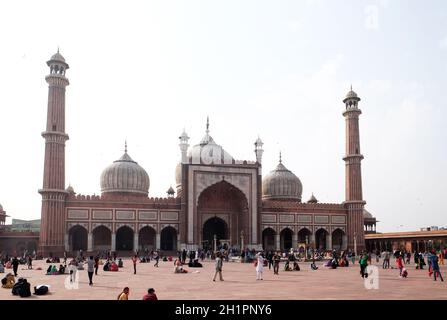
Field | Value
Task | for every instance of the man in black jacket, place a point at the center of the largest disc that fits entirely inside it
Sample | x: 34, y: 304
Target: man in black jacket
x: 15, y: 265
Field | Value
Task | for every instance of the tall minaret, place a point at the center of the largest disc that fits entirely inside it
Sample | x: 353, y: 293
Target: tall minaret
x: 52, y: 229
x: 354, y: 199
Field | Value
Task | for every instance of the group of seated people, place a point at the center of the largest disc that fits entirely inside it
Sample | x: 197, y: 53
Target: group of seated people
x: 178, y: 267
x: 53, y: 260
x: 295, y: 267
x: 195, y: 264
x: 52, y: 270
x: 111, y: 265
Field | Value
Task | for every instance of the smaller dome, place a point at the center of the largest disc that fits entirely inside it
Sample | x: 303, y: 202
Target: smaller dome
x: 281, y: 184
x: 312, y: 199
x: 351, y: 95
x: 367, y: 214
x: 170, y: 191
x: 70, y: 189
x: 57, y: 57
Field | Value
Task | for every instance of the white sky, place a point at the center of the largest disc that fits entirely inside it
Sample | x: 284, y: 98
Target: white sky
x: 143, y: 70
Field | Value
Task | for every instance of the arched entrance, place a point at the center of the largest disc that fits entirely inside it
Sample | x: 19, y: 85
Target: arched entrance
x: 146, y: 239
x: 77, y: 238
x: 214, y: 227
x: 124, y: 239
x: 304, y: 236
x: 168, y: 239
x: 102, y: 238
x: 225, y: 202
x: 268, y: 239
x: 320, y: 239
x: 286, y: 239
x: 337, y: 239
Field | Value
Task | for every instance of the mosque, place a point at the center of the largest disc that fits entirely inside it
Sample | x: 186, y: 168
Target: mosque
x: 217, y: 200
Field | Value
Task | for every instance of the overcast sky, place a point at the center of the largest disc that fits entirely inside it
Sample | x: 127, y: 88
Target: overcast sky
x: 144, y: 70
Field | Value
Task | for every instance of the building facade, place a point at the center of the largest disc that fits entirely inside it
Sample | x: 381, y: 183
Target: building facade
x: 218, y: 199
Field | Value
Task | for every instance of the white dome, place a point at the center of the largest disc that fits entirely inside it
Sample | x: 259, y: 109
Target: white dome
x: 125, y: 175
x: 209, y: 152
x: 281, y: 184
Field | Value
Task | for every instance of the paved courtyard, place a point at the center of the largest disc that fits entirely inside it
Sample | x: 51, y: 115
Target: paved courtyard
x: 240, y: 283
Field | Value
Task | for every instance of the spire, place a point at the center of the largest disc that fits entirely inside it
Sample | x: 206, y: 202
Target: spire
x: 351, y: 86
x: 280, y: 157
x: 57, y: 49
x: 125, y: 146
x: 207, y: 124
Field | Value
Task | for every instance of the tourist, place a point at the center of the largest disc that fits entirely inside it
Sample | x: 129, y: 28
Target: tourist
x: 435, y: 266
x: 400, y: 265
x: 363, y: 264
x: 134, y: 260
x: 15, y: 265
x: 386, y: 260
x: 421, y: 261
x: 30, y: 262
x: 156, y: 258
x: 124, y: 295
x: 219, y: 264
x: 96, y: 265
x: 259, y: 267
x: 270, y: 258
x: 276, y: 261
x: 90, y: 270
x: 441, y: 258
x: 408, y: 258
x: 61, y: 269
x: 150, y: 295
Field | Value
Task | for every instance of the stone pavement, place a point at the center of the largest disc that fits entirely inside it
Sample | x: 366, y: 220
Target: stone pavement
x: 240, y: 283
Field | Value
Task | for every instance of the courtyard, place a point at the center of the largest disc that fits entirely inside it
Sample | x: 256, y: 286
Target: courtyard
x: 239, y: 283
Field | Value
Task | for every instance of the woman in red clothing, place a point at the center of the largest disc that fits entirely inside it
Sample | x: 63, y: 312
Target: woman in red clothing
x: 400, y: 264
x: 150, y: 295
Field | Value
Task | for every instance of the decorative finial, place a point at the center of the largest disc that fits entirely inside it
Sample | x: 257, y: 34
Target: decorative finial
x: 125, y: 146
x: 57, y: 49
x: 351, y: 86
x: 207, y: 124
x: 280, y: 157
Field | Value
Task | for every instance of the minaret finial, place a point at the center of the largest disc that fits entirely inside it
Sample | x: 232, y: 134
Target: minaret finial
x: 280, y: 157
x: 351, y: 86
x: 57, y: 49
x: 207, y: 124
x: 125, y: 146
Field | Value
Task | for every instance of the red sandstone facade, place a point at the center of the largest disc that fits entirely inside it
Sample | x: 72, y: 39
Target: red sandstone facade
x: 219, y: 199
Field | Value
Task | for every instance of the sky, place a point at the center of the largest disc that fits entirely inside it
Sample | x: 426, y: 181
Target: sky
x: 142, y: 71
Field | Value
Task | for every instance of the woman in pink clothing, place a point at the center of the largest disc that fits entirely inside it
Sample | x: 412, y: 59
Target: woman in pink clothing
x: 400, y: 264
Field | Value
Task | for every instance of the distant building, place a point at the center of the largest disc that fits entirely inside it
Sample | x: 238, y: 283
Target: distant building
x: 19, y: 237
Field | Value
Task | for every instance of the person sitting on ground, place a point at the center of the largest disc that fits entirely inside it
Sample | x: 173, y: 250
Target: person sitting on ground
x: 8, y: 281
x: 150, y: 295
x: 113, y: 266
x: 120, y: 263
x: 313, y: 266
x: 178, y: 267
x: 54, y: 270
x: 287, y: 266
x: 49, y: 269
x: 48, y: 260
x: 61, y: 269
x: 106, y: 266
x: 80, y: 266
x: 296, y: 267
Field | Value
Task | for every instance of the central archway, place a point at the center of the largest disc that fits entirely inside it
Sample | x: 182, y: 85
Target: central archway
x: 214, y: 226
x: 268, y: 239
x: 124, y: 239
x: 320, y: 239
x: 223, y: 210
x: 102, y: 238
x: 286, y: 239
x: 168, y: 239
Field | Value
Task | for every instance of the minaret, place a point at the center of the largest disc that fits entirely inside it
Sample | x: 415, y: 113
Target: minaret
x: 52, y: 230
x: 258, y: 152
x: 354, y: 198
x: 184, y: 146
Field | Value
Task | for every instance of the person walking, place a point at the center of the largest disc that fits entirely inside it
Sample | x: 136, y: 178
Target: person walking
x: 363, y: 264
x: 124, y: 295
x: 435, y: 266
x: 260, y: 267
x: 276, y: 261
x: 30, y: 262
x: 90, y: 270
x: 134, y: 260
x: 386, y: 260
x: 156, y: 258
x: 400, y: 264
x: 150, y: 295
x: 96, y: 265
x: 15, y: 265
x: 270, y: 259
x: 219, y: 264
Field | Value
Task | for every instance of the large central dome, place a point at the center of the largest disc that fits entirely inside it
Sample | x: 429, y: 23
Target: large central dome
x: 281, y: 184
x: 125, y: 176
